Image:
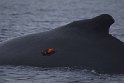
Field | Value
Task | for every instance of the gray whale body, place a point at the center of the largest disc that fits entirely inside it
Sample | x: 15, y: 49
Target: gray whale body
x: 86, y: 43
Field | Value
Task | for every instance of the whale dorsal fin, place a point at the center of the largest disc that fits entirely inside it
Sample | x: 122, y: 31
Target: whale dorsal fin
x: 99, y: 23
x: 104, y: 21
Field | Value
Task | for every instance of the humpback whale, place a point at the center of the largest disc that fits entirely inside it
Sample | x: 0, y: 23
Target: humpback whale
x: 83, y: 43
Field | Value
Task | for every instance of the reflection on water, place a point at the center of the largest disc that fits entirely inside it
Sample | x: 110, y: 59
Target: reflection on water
x: 20, y: 17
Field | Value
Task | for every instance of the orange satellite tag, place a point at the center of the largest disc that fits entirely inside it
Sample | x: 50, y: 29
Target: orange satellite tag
x: 48, y: 51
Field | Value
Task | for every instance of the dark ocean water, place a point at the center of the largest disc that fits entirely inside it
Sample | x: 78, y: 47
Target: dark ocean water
x: 21, y: 17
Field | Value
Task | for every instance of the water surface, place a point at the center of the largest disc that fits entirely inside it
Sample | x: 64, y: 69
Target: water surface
x: 21, y: 17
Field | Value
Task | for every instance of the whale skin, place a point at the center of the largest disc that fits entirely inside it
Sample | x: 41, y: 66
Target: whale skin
x: 83, y: 43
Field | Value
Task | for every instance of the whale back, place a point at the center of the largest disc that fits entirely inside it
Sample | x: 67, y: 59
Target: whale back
x: 84, y: 43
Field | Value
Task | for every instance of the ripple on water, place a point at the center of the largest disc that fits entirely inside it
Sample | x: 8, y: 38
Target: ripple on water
x: 18, y: 74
